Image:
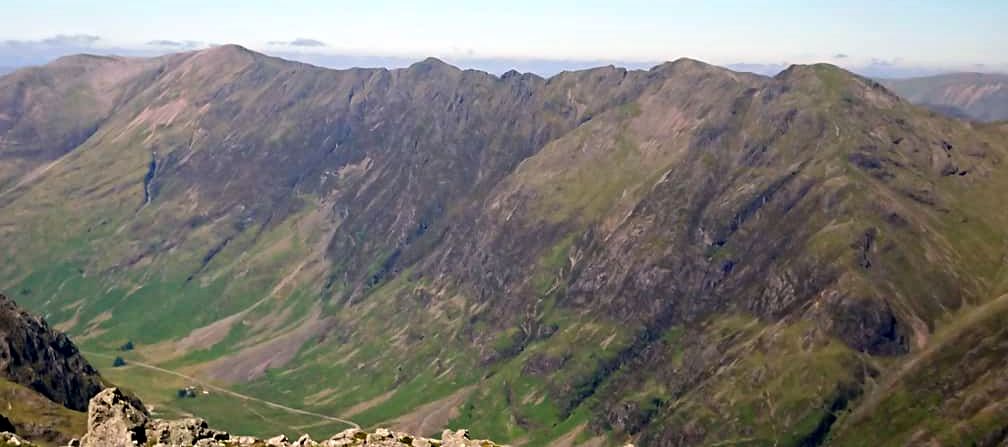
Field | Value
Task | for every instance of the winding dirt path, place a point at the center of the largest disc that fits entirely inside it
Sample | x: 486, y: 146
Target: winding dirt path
x: 229, y: 392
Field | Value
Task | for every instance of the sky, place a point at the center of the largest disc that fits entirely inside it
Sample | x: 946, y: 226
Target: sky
x: 893, y: 36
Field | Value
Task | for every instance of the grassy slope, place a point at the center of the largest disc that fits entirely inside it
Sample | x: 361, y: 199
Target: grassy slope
x: 950, y: 393
x: 26, y: 408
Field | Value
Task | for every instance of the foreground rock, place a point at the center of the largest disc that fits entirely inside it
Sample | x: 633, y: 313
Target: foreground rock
x: 116, y: 419
x: 35, y: 356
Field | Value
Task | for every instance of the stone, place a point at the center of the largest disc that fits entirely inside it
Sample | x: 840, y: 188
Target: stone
x: 349, y: 433
x: 458, y: 438
x: 305, y: 440
x: 182, y: 432
x: 341, y: 442
x: 115, y: 420
x: 279, y: 440
x: 10, y: 439
x: 245, y: 440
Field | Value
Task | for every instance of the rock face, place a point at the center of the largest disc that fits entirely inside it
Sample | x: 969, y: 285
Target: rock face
x: 115, y: 420
x: 118, y: 420
x: 33, y: 355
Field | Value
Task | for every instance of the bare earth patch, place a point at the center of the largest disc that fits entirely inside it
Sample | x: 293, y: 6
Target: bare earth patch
x: 367, y: 405
x: 434, y: 416
x: 252, y: 362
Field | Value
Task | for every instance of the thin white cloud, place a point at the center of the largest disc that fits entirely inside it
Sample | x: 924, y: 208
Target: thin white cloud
x: 176, y: 44
x: 59, y: 40
x: 299, y: 42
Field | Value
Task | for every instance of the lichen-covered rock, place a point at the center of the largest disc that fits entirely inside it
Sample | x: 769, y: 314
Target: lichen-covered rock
x: 278, y: 441
x: 182, y: 432
x: 115, y: 420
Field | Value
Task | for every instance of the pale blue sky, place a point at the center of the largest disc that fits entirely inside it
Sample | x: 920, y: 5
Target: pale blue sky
x: 925, y: 33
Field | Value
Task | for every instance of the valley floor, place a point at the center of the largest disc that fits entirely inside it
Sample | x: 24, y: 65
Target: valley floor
x: 223, y: 407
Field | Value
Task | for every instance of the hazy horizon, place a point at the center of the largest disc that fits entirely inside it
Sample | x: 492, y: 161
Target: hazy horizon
x: 896, y: 39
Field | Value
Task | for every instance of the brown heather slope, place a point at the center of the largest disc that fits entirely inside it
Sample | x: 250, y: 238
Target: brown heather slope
x: 679, y: 256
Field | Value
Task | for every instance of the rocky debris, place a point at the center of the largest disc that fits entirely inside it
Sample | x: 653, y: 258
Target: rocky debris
x: 116, y: 419
x: 187, y: 431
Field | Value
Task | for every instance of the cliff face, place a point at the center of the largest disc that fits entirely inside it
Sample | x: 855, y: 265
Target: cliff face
x: 40, y: 358
x: 45, y: 383
x: 682, y: 255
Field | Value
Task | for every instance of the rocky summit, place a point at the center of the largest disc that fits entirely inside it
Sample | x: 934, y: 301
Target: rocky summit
x: 683, y: 255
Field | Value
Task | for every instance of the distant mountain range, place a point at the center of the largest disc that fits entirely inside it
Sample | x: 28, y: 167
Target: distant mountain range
x: 683, y: 255
x: 978, y: 96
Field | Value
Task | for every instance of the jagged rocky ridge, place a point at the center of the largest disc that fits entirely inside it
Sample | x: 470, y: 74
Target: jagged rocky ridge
x: 684, y: 255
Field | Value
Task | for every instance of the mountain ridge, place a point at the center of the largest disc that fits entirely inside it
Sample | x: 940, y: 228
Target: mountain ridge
x: 605, y: 254
x: 977, y: 96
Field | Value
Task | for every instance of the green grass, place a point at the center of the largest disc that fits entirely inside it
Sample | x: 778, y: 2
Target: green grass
x: 22, y: 405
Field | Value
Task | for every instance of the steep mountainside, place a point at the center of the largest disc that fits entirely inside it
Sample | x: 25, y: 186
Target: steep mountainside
x: 45, y: 383
x: 680, y: 256
x: 38, y: 357
x: 978, y: 96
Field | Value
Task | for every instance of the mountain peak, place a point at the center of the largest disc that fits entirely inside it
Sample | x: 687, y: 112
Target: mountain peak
x: 836, y: 82
x: 224, y: 58
x: 433, y: 64
x: 228, y: 48
x: 684, y: 63
x: 228, y: 51
x: 820, y: 73
x: 82, y: 60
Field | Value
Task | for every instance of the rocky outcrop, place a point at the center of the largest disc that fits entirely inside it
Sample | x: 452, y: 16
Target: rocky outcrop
x: 34, y: 355
x: 116, y: 419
